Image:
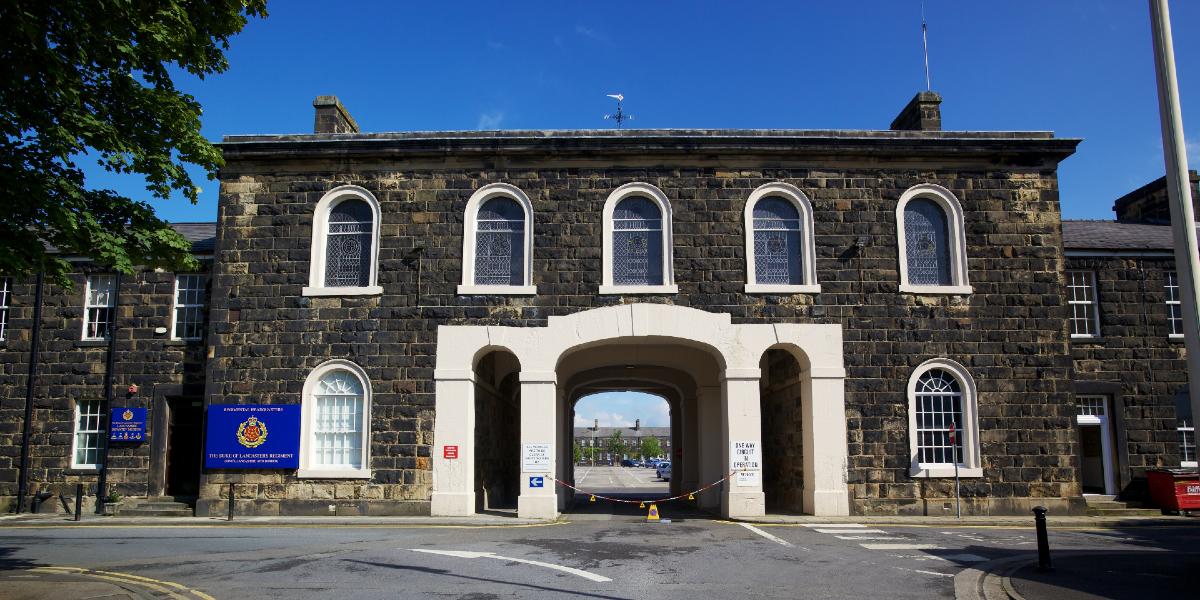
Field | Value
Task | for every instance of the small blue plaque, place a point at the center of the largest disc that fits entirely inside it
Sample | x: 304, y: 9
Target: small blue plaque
x: 252, y: 436
x: 536, y: 481
x: 127, y: 425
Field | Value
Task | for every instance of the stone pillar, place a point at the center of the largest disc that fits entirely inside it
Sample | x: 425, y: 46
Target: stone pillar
x: 689, y: 440
x: 539, y: 404
x: 740, y: 406
x: 454, y: 425
x: 710, y: 455
x: 825, y: 455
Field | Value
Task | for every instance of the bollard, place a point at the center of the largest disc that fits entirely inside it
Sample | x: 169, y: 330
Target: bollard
x: 229, y: 517
x: 78, y: 501
x: 1043, y: 543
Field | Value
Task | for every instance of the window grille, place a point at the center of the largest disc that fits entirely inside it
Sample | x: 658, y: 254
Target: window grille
x: 1187, y: 443
x: 1094, y: 406
x: 500, y: 243
x: 777, y: 237
x: 637, y: 241
x: 98, y: 306
x: 939, y: 403
x: 88, y: 429
x: 189, y: 307
x: 348, y: 245
x: 1174, y: 307
x: 338, y: 421
x: 1081, y: 297
x: 5, y: 301
x: 926, y: 243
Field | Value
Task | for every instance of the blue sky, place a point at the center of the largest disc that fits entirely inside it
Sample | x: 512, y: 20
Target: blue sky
x: 621, y: 409
x: 1082, y: 68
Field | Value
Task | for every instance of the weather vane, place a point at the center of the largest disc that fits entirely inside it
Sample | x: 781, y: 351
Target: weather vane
x: 620, y: 116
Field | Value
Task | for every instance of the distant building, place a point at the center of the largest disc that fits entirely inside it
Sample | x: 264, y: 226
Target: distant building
x: 598, y: 439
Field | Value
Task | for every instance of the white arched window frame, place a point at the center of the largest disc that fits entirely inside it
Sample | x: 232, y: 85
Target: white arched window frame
x: 470, y: 230
x: 309, y: 466
x: 320, y: 233
x: 955, y: 234
x: 656, y: 196
x: 807, y: 250
x: 969, y: 464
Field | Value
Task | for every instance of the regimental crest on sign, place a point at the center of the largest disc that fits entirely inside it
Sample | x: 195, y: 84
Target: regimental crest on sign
x: 252, y: 433
x: 127, y: 415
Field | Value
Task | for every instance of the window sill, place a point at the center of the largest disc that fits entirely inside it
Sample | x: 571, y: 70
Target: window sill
x: 370, y: 290
x: 195, y: 342
x: 1188, y: 464
x: 1086, y: 338
x: 81, y: 470
x: 1174, y: 337
x: 944, y: 290
x: 639, y: 289
x: 333, y: 473
x: 497, y: 290
x: 945, y: 471
x: 767, y: 288
x: 91, y: 344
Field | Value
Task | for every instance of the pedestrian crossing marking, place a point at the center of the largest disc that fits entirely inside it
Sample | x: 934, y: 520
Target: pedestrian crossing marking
x: 849, y: 531
x: 831, y: 525
x: 902, y: 546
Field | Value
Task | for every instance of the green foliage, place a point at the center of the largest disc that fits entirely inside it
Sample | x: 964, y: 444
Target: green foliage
x: 614, y: 444
x: 90, y: 80
x: 650, y: 447
x: 578, y: 452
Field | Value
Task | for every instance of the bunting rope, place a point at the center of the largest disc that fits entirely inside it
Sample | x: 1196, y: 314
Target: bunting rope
x: 689, y: 495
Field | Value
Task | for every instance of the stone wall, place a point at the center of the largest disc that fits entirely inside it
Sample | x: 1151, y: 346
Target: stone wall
x: 1133, y: 362
x: 70, y: 369
x: 1010, y: 333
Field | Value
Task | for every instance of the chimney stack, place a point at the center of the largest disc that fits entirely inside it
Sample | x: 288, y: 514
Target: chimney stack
x: 332, y: 117
x: 923, y: 113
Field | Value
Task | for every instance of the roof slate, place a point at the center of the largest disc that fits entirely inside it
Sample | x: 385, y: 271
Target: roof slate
x: 203, y: 236
x: 1114, y: 235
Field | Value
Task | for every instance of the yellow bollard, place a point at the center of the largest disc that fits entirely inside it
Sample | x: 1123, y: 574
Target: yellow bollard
x: 691, y: 496
x: 641, y: 505
x: 653, y: 516
x: 592, y: 499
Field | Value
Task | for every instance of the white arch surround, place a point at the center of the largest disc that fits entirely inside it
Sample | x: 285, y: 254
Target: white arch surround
x: 664, y: 206
x: 470, y: 223
x: 956, y: 237
x: 808, y: 253
x: 320, y: 231
x: 971, y: 462
x: 307, y: 469
x: 733, y: 400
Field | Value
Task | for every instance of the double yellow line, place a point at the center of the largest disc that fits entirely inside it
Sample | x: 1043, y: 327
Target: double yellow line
x: 168, y: 588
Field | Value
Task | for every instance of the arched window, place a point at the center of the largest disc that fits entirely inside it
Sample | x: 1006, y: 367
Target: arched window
x: 497, y: 242
x: 335, y: 435
x: 932, y: 243
x: 637, y: 242
x: 942, y: 398
x: 780, y: 255
x: 345, y: 244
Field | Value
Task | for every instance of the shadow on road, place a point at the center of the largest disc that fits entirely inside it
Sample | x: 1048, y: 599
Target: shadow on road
x: 446, y: 573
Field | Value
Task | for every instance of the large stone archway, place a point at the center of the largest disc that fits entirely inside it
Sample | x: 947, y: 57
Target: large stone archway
x: 735, y: 350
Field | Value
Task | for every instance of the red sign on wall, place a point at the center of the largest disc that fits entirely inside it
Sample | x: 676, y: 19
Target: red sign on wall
x: 450, y: 452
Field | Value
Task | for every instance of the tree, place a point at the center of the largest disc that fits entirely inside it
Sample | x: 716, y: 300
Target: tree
x: 615, y: 445
x: 92, y: 81
x: 577, y: 452
x: 650, y: 447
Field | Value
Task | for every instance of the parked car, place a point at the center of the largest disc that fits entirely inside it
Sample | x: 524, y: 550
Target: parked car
x: 628, y: 462
x: 652, y: 463
x: 663, y: 470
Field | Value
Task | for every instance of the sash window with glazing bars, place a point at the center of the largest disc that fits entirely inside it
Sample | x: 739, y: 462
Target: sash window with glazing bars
x: 939, y: 403
x: 338, y: 421
x: 98, y: 306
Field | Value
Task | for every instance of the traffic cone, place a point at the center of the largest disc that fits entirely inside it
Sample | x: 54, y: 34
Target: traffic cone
x: 592, y: 499
x: 653, y: 516
x: 691, y: 496
x: 641, y: 505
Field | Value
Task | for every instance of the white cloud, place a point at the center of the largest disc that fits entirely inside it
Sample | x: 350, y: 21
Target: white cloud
x: 490, y: 120
x: 622, y: 409
x: 494, y: 45
x: 592, y: 34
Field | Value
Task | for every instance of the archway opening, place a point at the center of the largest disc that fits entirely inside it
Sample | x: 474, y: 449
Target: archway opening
x: 621, y: 439
x: 498, y: 440
x: 781, y: 391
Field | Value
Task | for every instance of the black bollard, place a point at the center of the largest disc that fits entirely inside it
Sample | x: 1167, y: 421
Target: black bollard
x: 229, y: 517
x: 1043, y: 542
x: 78, y: 501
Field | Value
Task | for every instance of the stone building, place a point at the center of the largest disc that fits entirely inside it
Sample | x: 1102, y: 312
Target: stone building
x: 820, y: 309
x: 594, y: 442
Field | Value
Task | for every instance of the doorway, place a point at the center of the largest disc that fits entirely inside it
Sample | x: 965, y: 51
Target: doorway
x: 1095, y: 445
x: 184, y: 446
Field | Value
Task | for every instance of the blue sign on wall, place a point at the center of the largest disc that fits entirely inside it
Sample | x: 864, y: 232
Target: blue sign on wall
x: 127, y: 425
x: 252, y: 436
x: 535, y: 482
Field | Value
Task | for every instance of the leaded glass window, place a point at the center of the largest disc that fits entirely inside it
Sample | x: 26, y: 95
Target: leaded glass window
x: 777, y: 238
x: 500, y: 243
x: 338, y: 421
x: 637, y: 241
x: 926, y: 243
x: 939, y: 401
x: 348, y: 245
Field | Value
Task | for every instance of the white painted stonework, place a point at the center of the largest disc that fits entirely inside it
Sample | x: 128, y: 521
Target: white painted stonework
x: 719, y: 405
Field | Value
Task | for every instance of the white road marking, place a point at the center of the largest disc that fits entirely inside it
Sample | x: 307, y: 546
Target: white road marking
x: 928, y: 572
x: 537, y: 563
x: 838, y: 525
x: 849, y: 531
x: 777, y: 540
x: 966, y: 558
x: 584, y: 477
x: 865, y: 537
x: 902, y: 547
